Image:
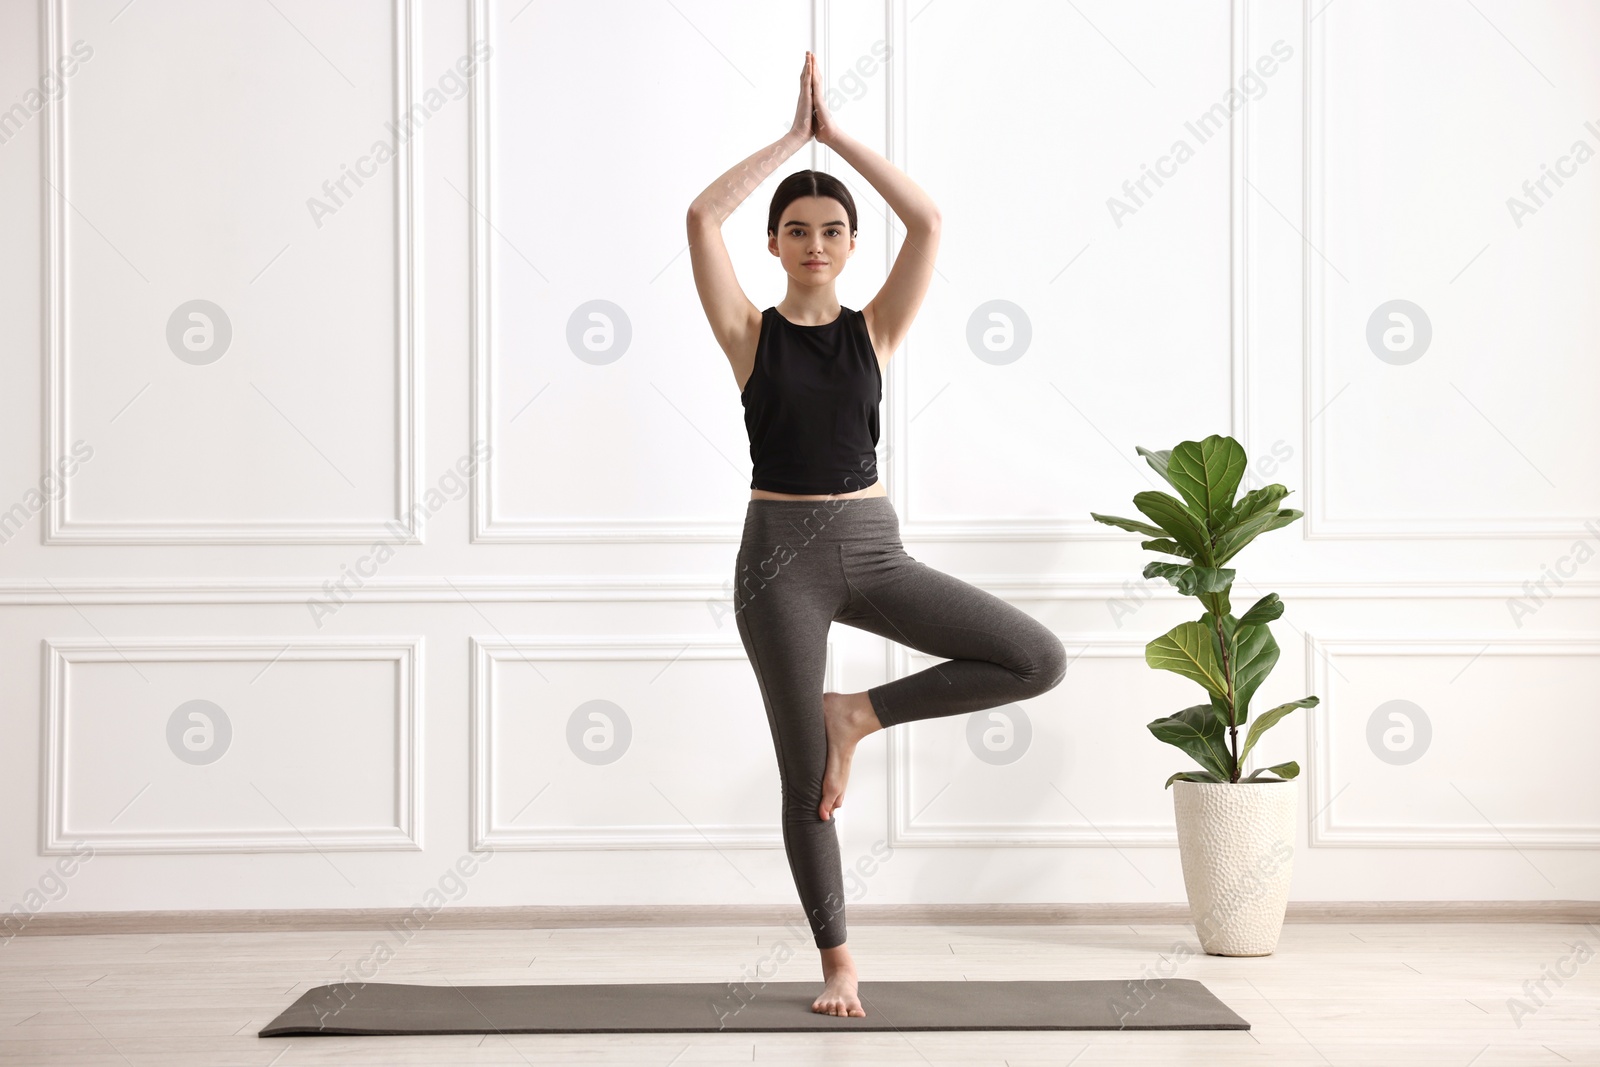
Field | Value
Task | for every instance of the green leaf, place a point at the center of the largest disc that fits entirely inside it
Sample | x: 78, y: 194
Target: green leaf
x: 1207, y: 474
x: 1217, y: 604
x: 1191, y: 580
x: 1208, y: 622
x: 1192, y: 776
x: 1264, y: 610
x: 1284, y: 771
x: 1131, y: 525
x: 1219, y: 708
x: 1167, y: 545
x: 1255, y: 502
x: 1158, y: 461
x: 1266, y: 721
x: 1176, y: 521
x: 1252, y: 653
x: 1283, y: 518
x: 1187, y: 649
x: 1229, y: 544
x: 1197, y: 732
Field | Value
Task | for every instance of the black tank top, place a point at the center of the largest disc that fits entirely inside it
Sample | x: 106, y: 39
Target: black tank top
x: 811, y: 406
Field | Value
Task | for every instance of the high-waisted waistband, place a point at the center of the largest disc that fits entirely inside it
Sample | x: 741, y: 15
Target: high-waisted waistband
x: 799, y: 522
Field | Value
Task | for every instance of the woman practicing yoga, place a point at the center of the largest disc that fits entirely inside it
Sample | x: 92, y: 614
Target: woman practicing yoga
x: 821, y: 540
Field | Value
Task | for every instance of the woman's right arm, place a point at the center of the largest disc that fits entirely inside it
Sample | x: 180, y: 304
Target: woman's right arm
x: 734, y: 319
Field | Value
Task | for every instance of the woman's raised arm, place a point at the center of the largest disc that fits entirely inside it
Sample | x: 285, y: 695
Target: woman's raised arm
x: 889, y: 313
x: 730, y: 312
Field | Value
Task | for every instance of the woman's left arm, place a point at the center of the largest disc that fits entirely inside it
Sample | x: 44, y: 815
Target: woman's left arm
x: 915, y: 208
x: 891, y: 312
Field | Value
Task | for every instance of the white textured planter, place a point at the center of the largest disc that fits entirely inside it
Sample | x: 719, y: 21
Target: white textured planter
x: 1237, y: 846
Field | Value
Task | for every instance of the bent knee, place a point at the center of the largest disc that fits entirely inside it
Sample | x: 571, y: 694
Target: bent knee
x: 1049, y: 662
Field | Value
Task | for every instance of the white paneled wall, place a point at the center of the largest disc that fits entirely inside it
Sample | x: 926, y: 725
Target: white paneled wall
x: 370, y: 480
x: 280, y: 284
x: 354, y: 787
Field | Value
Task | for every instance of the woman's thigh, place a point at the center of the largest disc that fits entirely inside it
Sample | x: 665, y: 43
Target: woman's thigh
x: 784, y: 604
x: 903, y: 599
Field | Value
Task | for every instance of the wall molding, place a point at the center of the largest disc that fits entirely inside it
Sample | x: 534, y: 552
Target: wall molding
x: 58, y: 527
x: 1317, y: 523
x: 487, y: 526
x: 59, y: 655
x: 706, y: 587
x: 602, y: 588
x: 1327, y: 829
x: 906, y: 829
x: 1021, y: 528
x: 487, y: 831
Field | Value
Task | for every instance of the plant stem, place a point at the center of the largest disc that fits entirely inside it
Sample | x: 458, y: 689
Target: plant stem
x: 1233, y: 726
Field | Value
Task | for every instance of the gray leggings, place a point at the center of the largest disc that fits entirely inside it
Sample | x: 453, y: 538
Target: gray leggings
x: 804, y: 564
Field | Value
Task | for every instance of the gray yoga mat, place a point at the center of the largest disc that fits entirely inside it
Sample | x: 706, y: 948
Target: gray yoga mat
x: 701, y: 1007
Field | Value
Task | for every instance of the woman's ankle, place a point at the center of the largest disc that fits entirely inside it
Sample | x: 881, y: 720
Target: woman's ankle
x: 836, y: 959
x: 867, y: 714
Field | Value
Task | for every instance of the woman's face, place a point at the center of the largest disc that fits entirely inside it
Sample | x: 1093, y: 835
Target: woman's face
x: 813, y: 239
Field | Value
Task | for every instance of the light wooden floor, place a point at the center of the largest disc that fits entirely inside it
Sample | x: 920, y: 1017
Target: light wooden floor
x: 1417, y: 994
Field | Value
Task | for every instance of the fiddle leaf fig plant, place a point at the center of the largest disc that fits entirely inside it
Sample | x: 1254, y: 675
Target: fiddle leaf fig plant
x: 1228, y: 656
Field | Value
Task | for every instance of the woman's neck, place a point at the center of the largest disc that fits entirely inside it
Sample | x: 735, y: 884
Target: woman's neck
x: 812, y: 309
